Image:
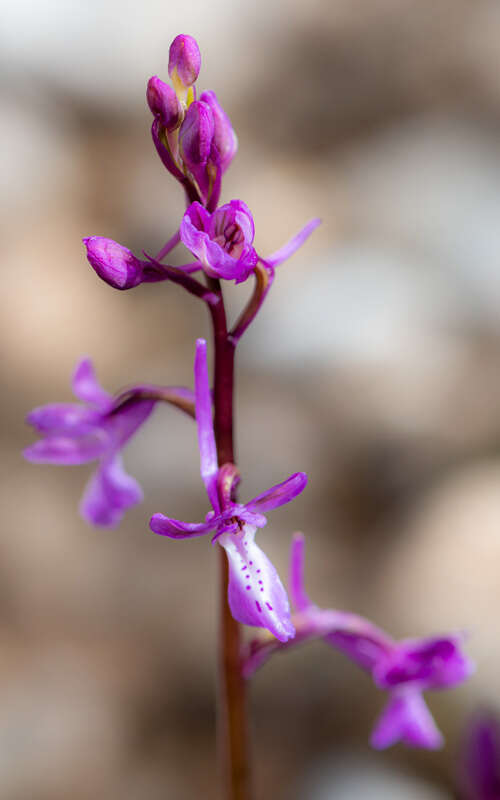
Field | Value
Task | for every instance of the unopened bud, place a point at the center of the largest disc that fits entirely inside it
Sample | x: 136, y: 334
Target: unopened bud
x: 184, y: 60
x: 114, y: 263
x: 196, y: 135
x: 164, y: 103
x: 224, y: 136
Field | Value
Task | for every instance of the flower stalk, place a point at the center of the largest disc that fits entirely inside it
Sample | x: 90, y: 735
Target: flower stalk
x: 232, y: 725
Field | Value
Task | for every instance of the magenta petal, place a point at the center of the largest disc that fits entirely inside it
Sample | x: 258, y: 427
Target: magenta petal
x: 406, y: 718
x: 290, y: 247
x: 432, y: 663
x: 124, y: 422
x: 206, y: 436
x: 280, y: 494
x: 66, y: 450
x: 193, y: 230
x: 109, y: 493
x: 256, y: 595
x: 224, y: 136
x: 175, y: 529
x: 86, y: 387
x: 63, y: 418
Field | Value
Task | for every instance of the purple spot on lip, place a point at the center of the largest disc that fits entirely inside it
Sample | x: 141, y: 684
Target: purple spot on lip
x: 259, y: 609
x: 262, y: 590
x: 258, y: 571
x: 269, y: 606
x: 243, y: 567
x: 248, y: 588
x: 260, y: 581
x: 250, y: 562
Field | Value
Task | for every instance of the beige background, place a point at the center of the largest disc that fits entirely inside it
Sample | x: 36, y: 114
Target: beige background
x: 375, y: 367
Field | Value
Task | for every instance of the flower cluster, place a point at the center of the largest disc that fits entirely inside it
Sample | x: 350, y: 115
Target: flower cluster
x: 403, y: 669
x: 256, y: 595
x: 196, y: 143
x: 97, y: 429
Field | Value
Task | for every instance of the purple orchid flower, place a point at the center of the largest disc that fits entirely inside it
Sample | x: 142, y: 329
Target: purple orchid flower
x: 97, y: 429
x: 256, y: 595
x: 405, y: 669
x: 480, y: 761
x: 223, y: 241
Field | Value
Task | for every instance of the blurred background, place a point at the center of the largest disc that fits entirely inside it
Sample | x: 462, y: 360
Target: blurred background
x: 374, y: 366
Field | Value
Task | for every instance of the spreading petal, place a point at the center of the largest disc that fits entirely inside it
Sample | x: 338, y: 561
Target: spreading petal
x: 109, y: 493
x: 406, y: 718
x: 63, y: 418
x: 256, y: 595
x: 206, y: 436
x: 290, y: 247
x: 123, y: 423
x: 175, y: 529
x: 280, y: 494
x: 66, y: 450
x: 432, y: 663
x: 86, y: 387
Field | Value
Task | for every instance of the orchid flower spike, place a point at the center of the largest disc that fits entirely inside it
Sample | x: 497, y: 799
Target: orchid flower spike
x: 222, y: 241
x: 75, y: 433
x: 256, y: 595
x: 404, y: 669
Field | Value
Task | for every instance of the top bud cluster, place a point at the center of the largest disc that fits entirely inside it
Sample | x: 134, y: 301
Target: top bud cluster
x: 194, y: 138
x: 196, y: 143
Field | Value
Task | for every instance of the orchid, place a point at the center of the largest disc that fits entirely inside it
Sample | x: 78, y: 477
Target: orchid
x: 404, y: 669
x: 195, y: 141
x: 223, y: 240
x: 256, y: 595
x: 222, y: 243
x: 97, y: 429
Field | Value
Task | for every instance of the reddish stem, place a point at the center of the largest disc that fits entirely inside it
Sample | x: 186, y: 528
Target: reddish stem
x: 232, y: 719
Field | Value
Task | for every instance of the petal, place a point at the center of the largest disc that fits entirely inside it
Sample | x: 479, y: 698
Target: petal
x: 406, y: 718
x: 86, y: 387
x: 67, y: 450
x: 165, y: 526
x: 206, y: 436
x: 298, y: 593
x: 280, y: 494
x: 109, y: 493
x: 432, y: 663
x: 224, y: 136
x: 123, y: 423
x: 362, y: 642
x: 63, y: 418
x: 244, y: 218
x: 255, y: 594
x: 290, y: 247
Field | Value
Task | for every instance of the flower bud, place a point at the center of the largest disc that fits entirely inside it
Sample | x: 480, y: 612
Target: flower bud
x: 164, y: 103
x: 224, y: 136
x: 196, y: 135
x: 184, y: 60
x: 114, y: 263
